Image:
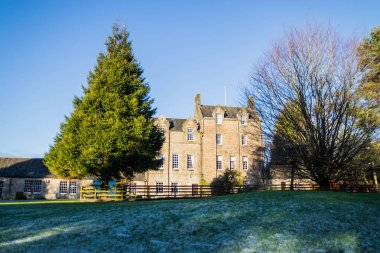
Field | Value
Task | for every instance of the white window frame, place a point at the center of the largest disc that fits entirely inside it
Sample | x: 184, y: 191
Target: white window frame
x: 174, y: 188
x: 63, y: 189
x: 35, y: 185
x: 73, y: 187
x: 219, y: 162
x: 190, y: 134
x: 159, y: 187
x: 218, y: 118
x: 220, y: 139
x: 245, y: 163
x: 175, y: 161
x: 244, y: 120
x: 190, y: 161
x: 232, y: 162
x: 161, y: 156
x: 244, y: 140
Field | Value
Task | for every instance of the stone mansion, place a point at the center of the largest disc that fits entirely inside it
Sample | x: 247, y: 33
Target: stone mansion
x: 196, y: 150
x: 200, y: 149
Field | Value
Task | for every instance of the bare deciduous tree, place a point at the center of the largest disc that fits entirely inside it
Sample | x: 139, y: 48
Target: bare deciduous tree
x: 309, y: 79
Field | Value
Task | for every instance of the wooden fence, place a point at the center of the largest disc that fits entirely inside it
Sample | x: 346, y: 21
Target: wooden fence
x: 141, y: 192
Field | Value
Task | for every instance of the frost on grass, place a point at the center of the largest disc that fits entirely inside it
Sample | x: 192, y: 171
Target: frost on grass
x: 261, y: 222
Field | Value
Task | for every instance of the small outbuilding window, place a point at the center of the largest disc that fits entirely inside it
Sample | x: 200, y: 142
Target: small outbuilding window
x: 63, y: 187
x: 32, y: 186
x: 73, y: 186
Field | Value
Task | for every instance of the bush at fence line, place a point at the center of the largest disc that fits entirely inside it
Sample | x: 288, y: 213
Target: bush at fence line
x: 227, y: 182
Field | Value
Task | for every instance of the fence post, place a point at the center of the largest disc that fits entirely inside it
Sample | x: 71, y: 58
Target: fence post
x: 201, y: 191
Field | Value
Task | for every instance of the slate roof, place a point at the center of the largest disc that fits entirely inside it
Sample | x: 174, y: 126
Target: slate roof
x: 230, y: 111
x: 24, y: 168
x: 176, y: 124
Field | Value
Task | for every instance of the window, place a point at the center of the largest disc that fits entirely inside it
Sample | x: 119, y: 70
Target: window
x: 244, y: 120
x: 33, y: 186
x: 73, y: 187
x: 63, y: 187
x: 175, y: 161
x: 190, y: 162
x: 219, y: 118
x: 244, y: 140
x: 174, y: 188
x: 245, y: 163
x: 218, y: 139
x: 219, y: 162
x: 190, y: 134
x: 159, y: 157
x: 159, y: 187
x: 232, y: 162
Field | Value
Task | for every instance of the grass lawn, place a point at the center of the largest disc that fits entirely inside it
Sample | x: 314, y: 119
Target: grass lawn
x: 251, y: 222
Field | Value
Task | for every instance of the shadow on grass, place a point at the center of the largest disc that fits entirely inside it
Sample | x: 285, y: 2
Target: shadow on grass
x: 262, y: 221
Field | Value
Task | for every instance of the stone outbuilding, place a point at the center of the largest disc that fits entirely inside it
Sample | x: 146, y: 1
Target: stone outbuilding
x: 29, y: 178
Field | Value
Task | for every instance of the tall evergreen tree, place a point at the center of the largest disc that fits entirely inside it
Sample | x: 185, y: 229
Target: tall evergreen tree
x: 111, y: 132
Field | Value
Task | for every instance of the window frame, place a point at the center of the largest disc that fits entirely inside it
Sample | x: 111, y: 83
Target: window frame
x: 190, y: 161
x: 218, y: 118
x: 244, y: 140
x: 220, y: 139
x: 244, y: 120
x: 232, y: 162
x: 219, y: 162
x: 245, y: 162
x: 34, y: 186
x: 161, y: 156
x: 190, y: 134
x: 159, y: 187
x: 175, y: 162
x: 174, y: 188
x: 61, y: 184
x: 73, y: 187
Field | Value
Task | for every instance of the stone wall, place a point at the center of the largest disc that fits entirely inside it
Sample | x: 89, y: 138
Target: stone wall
x: 49, y: 188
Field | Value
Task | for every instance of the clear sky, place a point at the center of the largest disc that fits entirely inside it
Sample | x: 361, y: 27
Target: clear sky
x: 185, y: 47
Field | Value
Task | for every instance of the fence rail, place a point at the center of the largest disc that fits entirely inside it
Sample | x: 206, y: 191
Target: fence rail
x: 133, y: 192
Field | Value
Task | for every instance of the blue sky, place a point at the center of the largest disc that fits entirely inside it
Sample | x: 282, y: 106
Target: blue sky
x: 47, y: 49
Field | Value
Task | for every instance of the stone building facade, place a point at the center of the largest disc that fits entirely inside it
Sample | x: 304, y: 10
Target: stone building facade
x: 29, y: 178
x: 197, y: 150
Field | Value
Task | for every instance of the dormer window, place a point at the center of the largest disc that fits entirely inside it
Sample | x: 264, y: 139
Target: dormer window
x: 244, y: 120
x: 190, y: 134
x: 218, y: 118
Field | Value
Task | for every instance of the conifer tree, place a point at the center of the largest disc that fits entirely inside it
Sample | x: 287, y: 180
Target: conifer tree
x: 111, y: 132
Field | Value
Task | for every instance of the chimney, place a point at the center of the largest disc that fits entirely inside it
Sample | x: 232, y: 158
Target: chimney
x: 251, y: 103
x: 198, y: 99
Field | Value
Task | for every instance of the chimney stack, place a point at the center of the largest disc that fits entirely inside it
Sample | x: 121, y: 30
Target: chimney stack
x: 251, y: 103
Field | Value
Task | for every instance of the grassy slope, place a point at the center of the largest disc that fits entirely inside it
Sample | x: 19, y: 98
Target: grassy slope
x: 259, y: 221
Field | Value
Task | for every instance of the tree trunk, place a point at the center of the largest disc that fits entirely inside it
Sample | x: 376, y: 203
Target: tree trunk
x: 374, y: 174
x: 324, y: 185
x: 292, y: 178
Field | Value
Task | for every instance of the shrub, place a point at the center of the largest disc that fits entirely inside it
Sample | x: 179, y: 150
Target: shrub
x: 226, y: 183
